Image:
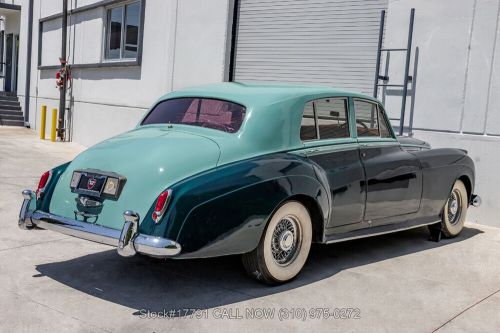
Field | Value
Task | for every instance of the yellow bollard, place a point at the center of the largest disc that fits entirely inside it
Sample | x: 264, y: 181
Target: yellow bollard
x: 44, y: 119
x: 54, y: 124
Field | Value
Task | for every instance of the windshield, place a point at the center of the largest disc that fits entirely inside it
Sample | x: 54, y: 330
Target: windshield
x: 204, y: 112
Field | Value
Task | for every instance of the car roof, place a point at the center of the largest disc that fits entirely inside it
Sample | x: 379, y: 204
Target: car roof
x: 261, y: 94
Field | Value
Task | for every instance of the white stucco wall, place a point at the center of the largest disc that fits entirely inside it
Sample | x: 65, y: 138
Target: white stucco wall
x: 184, y: 44
x: 458, y: 63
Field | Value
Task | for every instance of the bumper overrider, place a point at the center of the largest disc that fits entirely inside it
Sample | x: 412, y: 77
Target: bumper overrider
x: 128, y: 240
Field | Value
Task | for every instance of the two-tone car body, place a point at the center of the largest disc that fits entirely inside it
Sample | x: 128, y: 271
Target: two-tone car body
x: 261, y: 170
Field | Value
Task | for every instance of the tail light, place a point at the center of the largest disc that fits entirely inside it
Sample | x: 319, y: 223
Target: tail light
x: 44, y: 179
x: 161, y: 205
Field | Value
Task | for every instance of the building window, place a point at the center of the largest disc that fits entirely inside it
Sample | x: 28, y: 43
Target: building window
x: 122, y: 31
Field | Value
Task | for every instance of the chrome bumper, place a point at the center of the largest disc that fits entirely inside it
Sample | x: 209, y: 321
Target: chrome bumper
x: 128, y: 240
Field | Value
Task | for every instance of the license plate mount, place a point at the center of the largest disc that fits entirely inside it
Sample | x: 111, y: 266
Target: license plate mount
x: 91, y: 184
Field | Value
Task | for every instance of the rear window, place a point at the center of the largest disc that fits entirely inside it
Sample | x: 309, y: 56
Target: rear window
x: 204, y: 112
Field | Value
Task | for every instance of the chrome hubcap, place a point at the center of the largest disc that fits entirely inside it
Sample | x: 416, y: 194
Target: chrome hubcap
x: 286, y: 240
x: 454, y: 207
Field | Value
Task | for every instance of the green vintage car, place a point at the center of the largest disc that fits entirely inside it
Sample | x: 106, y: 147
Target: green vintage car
x: 254, y: 169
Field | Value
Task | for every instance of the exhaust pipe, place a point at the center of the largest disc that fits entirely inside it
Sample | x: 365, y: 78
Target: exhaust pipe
x: 475, y: 200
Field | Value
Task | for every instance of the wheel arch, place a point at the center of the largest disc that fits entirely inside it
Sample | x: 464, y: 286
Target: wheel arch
x: 468, y: 185
x: 317, y: 218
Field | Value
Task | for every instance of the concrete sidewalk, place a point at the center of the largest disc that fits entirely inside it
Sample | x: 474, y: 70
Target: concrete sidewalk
x: 400, y: 282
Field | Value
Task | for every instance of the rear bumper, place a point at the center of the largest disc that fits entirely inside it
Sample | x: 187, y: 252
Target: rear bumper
x: 128, y: 240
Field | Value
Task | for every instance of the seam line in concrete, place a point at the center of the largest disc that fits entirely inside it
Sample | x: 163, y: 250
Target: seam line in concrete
x: 56, y: 310
x: 465, y: 310
x: 27, y: 245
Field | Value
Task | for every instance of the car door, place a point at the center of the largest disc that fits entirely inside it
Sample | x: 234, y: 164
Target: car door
x: 325, y: 131
x: 393, y: 176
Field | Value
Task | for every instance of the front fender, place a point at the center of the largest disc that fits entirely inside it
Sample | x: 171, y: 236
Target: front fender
x: 440, y: 169
x: 224, y: 211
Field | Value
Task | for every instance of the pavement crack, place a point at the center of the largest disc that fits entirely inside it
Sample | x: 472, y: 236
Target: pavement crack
x: 465, y: 310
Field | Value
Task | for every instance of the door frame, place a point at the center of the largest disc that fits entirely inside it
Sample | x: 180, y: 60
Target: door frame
x: 11, y: 71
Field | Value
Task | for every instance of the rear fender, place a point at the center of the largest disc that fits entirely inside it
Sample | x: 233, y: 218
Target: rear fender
x: 44, y: 202
x: 224, y: 211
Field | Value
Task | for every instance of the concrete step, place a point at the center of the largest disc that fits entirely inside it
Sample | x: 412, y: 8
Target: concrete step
x: 11, y: 117
x: 10, y: 102
x: 9, y: 107
x: 8, y: 93
x: 8, y: 98
x: 11, y: 113
x: 12, y: 122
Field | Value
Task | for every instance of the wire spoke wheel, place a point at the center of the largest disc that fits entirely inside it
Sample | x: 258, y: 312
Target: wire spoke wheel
x: 284, y: 245
x: 286, y: 240
x: 455, y: 210
x: 454, y: 206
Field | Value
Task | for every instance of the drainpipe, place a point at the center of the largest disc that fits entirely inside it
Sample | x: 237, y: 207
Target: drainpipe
x: 28, y: 66
x: 62, y: 96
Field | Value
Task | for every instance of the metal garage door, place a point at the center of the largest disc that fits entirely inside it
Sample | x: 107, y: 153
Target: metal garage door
x: 332, y: 42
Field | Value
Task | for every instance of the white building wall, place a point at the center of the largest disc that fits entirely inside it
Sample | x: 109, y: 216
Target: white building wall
x: 184, y: 44
x: 457, y: 90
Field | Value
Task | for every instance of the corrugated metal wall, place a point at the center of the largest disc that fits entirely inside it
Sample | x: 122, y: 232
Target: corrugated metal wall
x: 331, y: 42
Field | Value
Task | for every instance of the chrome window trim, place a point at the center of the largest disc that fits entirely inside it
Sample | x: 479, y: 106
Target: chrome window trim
x: 381, y: 232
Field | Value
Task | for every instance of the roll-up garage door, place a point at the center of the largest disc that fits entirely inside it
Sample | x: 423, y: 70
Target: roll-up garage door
x: 329, y: 42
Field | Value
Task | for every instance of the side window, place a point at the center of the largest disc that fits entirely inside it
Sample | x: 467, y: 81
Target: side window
x: 383, y: 126
x: 308, y: 125
x: 366, y: 119
x: 332, y: 118
x: 325, y: 119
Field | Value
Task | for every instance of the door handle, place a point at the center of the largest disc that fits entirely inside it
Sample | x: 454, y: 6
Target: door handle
x: 313, y: 150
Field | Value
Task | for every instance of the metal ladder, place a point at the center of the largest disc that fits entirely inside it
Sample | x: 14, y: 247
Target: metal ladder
x: 407, y: 78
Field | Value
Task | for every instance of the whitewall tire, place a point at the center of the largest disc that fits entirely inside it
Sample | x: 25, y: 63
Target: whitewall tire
x: 284, y: 246
x: 455, y: 211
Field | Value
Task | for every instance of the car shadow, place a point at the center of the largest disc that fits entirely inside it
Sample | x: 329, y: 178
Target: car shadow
x: 148, y: 284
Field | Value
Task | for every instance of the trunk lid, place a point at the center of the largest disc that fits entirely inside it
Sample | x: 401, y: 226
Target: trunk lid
x: 151, y: 158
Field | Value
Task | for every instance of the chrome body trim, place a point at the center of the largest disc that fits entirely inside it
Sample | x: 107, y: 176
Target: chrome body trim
x: 129, y: 232
x: 159, y: 214
x: 24, y: 221
x: 128, y: 240
x: 380, y: 233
